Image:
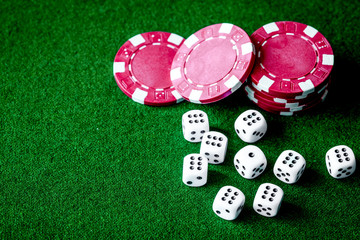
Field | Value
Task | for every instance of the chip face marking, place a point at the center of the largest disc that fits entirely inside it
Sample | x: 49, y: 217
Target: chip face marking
x: 232, y: 82
x: 310, y: 31
x: 175, y: 39
x: 213, y: 62
x: 195, y: 96
x: 175, y: 73
x: 328, y: 59
x: 189, y: 42
x: 137, y: 40
x: 119, y: 67
x: 265, y: 83
x: 247, y: 48
x: 177, y: 95
x: 307, y: 86
x: 139, y: 95
x: 270, y: 27
x: 142, y: 68
x: 226, y: 28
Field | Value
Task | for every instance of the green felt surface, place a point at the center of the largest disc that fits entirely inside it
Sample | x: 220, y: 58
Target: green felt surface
x: 79, y: 159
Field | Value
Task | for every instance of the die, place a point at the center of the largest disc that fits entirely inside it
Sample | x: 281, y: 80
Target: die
x: 228, y: 203
x: 194, y: 124
x: 250, y: 126
x: 250, y: 161
x: 268, y: 199
x: 289, y: 166
x: 340, y: 161
x: 195, y: 170
x: 214, y: 146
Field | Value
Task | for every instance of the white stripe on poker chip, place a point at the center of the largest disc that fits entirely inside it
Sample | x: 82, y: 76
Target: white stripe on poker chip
x: 310, y: 31
x: 231, y: 82
x: 328, y: 59
x: 323, y: 88
x: 236, y: 87
x: 256, y: 87
x: 292, y: 105
x: 307, y: 87
x: 280, y: 100
x: 225, y: 28
x: 137, y: 40
x: 190, y: 41
x: 300, y: 97
x: 175, y: 39
x: 249, y: 90
x: 175, y: 73
x: 195, y: 96
x: 177, y: 95
x: 246, y: 48
x: 323, y: 97
x: 296, y: 108
x: 286, y: 113
x: 139, y: 95
x: 265, y: 83
x: 119, y: 67
x: 252, y: 98
x: 270, y: 27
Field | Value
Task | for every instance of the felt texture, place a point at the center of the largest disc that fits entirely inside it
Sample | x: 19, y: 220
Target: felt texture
x: 79, y: 159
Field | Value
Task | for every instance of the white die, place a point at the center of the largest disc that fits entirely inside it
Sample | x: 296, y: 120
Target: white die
x: 289, y: 166
x: 214, y: 146
x: 340, y: 161
x: 250, y: 161
x: 194, y: 124
x: 195, y: 170
x: 228, y: 203
x: 268, y: 199
x: 250, y: 126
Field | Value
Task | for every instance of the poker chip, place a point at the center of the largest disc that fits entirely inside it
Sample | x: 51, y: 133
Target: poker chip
x: 282, y: 101
x: 292, y: 69
x: 142, y: 68
x: 212, y: 63
x: 292, y: 59
x: 287, y: 110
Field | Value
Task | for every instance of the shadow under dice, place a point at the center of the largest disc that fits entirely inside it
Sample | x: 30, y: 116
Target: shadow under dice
x: 340, y: 161
x: 214, y: 146
x: 229, y: 202
x: 250, y: 161
x: 194, y: 124
x: 195, y: 170
x: 250, y: 126
x: 289, y: 166
x: 268, y: 199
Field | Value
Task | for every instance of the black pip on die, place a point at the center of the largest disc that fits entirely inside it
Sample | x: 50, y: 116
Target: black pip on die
x: 214, y: 146
x: 195, y: 170
x: 268, y: 199
x: 340, y: 161
x: 289, y: 166
x: 228, y: 203
x: 250, y: 126
x: 250, y: 161
x: 194, y: 124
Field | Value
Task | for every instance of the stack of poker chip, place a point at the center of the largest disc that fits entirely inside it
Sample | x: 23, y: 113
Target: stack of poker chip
x: 292, y: 69
x: 285, y: 66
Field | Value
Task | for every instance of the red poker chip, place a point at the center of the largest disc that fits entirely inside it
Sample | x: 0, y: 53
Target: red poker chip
x: 212, y: 63
x: 293, y: 59
x: 142, y: 68
x: 283, y: 102
x: 288, y: 111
